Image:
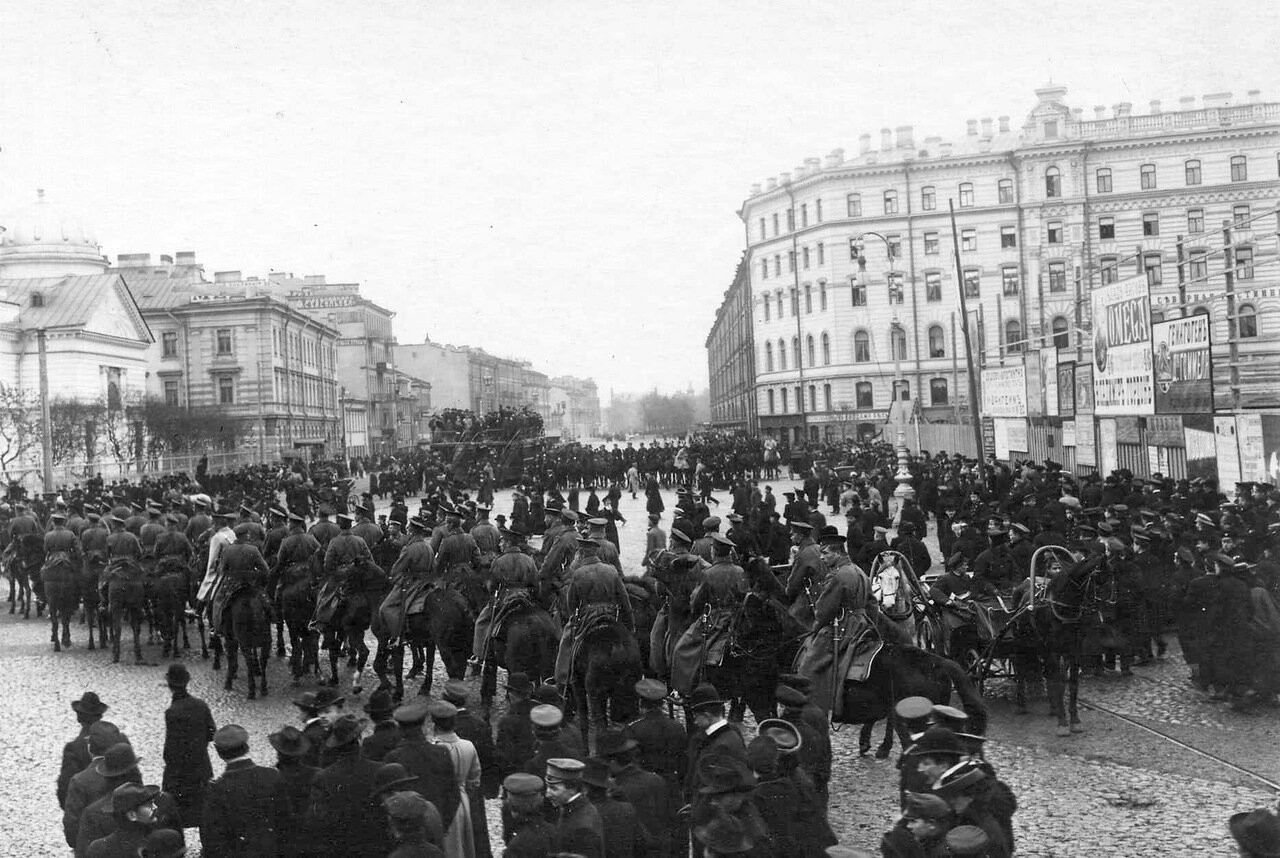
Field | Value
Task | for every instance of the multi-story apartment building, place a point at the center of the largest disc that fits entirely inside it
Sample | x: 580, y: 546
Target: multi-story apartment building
x: 855, y: 283
x: 731, y: 358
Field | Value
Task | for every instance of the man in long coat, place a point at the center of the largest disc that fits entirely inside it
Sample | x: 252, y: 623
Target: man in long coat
x: 189, y: 729
x: 242, y: 809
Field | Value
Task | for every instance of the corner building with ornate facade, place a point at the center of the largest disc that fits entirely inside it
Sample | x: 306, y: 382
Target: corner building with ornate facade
x: 1044, y: 212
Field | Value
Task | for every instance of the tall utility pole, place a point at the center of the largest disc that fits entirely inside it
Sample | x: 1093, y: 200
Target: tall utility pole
x: 964, y: 327
x: 46, y: 422
x: 794, y: 262
x: 1233, y: 333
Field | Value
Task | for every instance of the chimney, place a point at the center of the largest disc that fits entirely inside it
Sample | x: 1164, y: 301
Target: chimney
x: 973, y: 127
x: 771, y: 184
x: 186, y: 257
x: 1004, y: 125
x: 784, y: 178
x: 800, y: 172
x: 226, y: 276
x: 1187, y: 102
x: 1077, y: 114
x: 1255, y: 96
x: 1122, y: 110
x: 166, y: 259
x: 1217, y: 99
x: 944, y: 149
x: 812, y: 165
x: 886, y: 139
x: 1099, y: 112
x: 1155, y: 107
x: 986, y: 128
x: 835, y: 159
x: 906, y: 137
x: 755, y: 189
x: 134, y: 260
x: 864, y: 144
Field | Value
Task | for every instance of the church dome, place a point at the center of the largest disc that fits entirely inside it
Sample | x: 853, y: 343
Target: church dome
x: 42, y: 240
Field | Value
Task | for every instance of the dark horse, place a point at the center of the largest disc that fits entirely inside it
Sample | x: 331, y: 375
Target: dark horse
x: 169, y: 592
x: 1055, y: 632
x: 344, y: 610
x: 126, y: 597
x: 606, y: 666
x: 62, y: 590
x: 246, y: 625
x: 297, y: 601
x: 19, y: 583
x: 524, y: 640
x: 444, y: 624
x: 763, y: 643
x: 901, y: 671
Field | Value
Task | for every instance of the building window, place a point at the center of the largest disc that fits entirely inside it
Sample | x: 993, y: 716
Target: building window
x: 804, y: 257
x: 810, y: 349
x: 1198, y: 265
x: 1009, y: 279
x: 1195, y: 221
x: 937, y: 342
x: 795, y: 302
x: 890, y: 202
x: 813, y: 397
x: 799, y: 399
x: 223, y: 340
x: 826, y: 350
x: 895, y: 287
x: 826, y: 396
x: 1053, y: 182
x: 1247, y: 321
x: 859, y: 293
x: 902, y: 390
x: 784, y: 400
x: 933, y: 286
x: 937, y: 391
x: 972, y: 283
x: 1240, y: 216
x: 928, y: 198
x: 808, y: 299
x: 1192, y: 168
x: 791, y: 261
x: 1057, y: 276
x: 861, y: 347
x: 1244, y: 263
x: 782, y: 357
x: 1110, y: 269
x: 1147, y: 176
x: 777, y: 265
x: 768, y: 357
x: 1151, y: 263
x: 1013, y: 336
x: 804, y: 215
x: 930, y: 243
x: 853, y: 203
x: 762, y: 229
x: 781, y: 313
x: 770, y: 396
x: 775, y: 223
x: 863, y: 396
x: 169, y: 344
x: 822, y: 296
x: 1061, y: 338
x: 1005, y: 189
x: 966, y: 195
x: 226, y: 390
x: 1104, y: 180
x: 855, y: 250
x: 764, y: 269
x: 817, y: 210
x: 1151, y: 223
x: 767, y: 312
x: 894, y: 245
x: 1008, y: 236
x: 170, y: 392
x: 795, y: 350
x: 1106, y: 229
x: 1239, y: 168
x: 968, y: 240
x: 822, y: 254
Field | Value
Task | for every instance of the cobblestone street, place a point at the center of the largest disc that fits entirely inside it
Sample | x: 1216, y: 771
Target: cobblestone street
x: 1115, y: 790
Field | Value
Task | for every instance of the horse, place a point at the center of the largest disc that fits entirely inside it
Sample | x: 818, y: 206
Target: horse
x: 297, y: 601
x: 644, y: 608
x: 606, y: 666
x: 169, y: 590
x: 62, y: 590
x: 344, y: 611
x: 246, y: 625
x: 444, y: 624
x: 90, y: 580
x: 19, y: 584
x: 126, y: 596
x: 524, y: 640
x: 1055, y: 633
x: 898, y: 672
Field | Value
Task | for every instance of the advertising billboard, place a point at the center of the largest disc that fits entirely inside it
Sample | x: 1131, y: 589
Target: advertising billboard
x: 1004, y: 391
x: 1049, y: 380
x: 1183, y: 368
x: 1067, y: 389
x: 1084, y: 389
x: 1122, y: 378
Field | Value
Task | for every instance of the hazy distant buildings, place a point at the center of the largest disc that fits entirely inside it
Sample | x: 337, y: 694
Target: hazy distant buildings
x: 731, y: 358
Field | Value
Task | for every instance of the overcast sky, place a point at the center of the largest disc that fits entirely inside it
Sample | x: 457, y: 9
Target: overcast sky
x: 556, y: 181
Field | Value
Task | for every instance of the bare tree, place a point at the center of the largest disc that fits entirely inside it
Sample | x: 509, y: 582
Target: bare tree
x: 74, y: 423
x: 19, y: 428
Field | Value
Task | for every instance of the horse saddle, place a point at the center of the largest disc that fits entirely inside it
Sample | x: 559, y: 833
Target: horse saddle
x: 509, y: 605
x: 57, y: 558
x: 862, y: 656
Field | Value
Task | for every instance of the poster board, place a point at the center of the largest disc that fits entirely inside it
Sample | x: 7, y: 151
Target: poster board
x: 1253, y: 455
x: 1084, y: 389
x: 1122, y: 377
x: 1108, y: 456
x: 1049, y: 379
x: 1227, y: 452
x: 1004, y: 391
x: 1068, y: 433
x: 1183, y: 365
x: 1086, y: 442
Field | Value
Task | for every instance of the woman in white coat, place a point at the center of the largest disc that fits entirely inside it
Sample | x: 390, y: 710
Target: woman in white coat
x: 459, y: 840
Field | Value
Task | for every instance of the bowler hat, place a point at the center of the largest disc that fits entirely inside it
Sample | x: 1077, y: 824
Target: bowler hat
x: 163, y: 843
x: 230, y: 737
x: 89, y: 704
x: 519, y: 683
x: 783, y: 734
x: 128, y: 796
x: 596, y: 772
x: 391, y: 777
x: 547, y: 692
x: 117, y: 761
x: 346, y: 730
x: 1257, y: 832
x: 103, y: 735
x: 289, y: 741
x: 724, y: 835
x: 704, y: 696
x: 380, y: 703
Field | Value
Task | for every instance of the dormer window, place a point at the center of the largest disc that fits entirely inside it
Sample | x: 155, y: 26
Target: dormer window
x: 37, y: 299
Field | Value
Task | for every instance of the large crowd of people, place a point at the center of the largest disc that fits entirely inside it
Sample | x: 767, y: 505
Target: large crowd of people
x: 1179, y: 558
